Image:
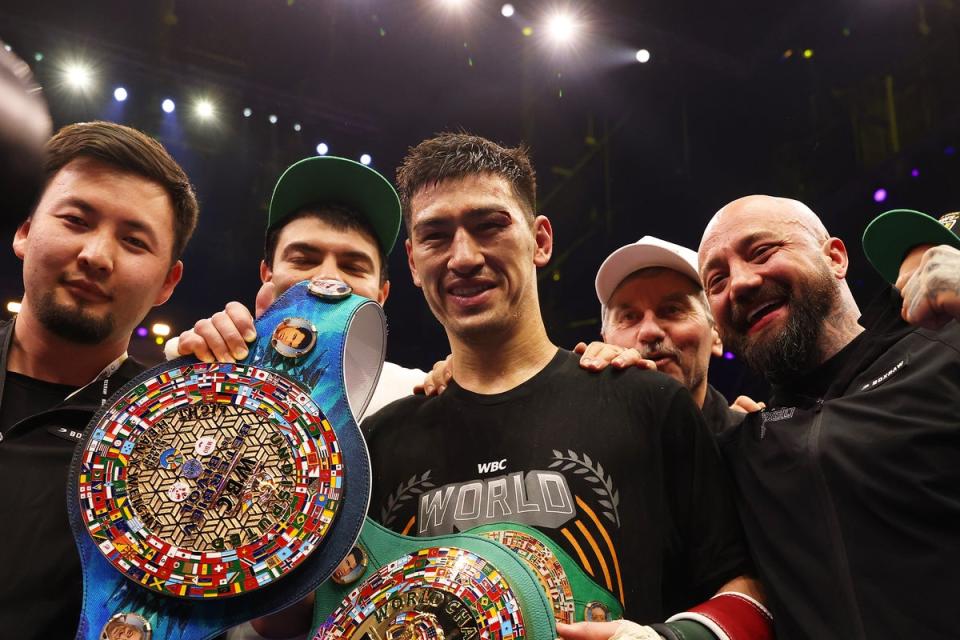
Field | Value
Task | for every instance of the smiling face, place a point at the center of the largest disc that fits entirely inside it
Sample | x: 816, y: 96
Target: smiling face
x: 660, y: 313
x: 309, y: 247
x: 772, y: 277
x: 97, y: 252
x: 474, y: 252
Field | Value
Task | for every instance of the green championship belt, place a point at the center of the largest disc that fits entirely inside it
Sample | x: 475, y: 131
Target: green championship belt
x: 503, y: 581
x: 207, y: 494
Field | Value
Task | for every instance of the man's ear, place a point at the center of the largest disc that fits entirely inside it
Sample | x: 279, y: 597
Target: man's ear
x: 169, y: 283
x: 716, y: 345
x: 413, y: 268
x: 20, y: 238
x: 543, y: 237
x: 835, y: 253
x: 266, y: 273
x: 384, y: 292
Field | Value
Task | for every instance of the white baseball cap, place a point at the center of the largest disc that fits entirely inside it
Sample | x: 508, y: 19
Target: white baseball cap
x: 645, y: 252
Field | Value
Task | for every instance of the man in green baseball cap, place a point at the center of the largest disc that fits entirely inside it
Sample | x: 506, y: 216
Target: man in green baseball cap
x: 329, y: 217
x: 920, y: 256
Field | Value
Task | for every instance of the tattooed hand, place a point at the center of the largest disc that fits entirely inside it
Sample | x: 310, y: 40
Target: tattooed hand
x: 929, y: 282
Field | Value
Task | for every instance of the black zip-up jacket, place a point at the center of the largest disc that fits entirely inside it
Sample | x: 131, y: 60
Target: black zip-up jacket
x: 850, y: 487
x: 42, y: 586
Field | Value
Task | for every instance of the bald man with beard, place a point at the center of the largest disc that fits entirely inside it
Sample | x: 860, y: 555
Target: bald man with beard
x: 849, y: 481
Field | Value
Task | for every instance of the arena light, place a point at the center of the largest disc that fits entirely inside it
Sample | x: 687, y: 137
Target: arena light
x: 142, y: 332
x: 365, y: 159
x: 247, y: 112
x: 38, y: 56
x: 120, y: 94
x: 453, y: 4
x: 272, y: 118
x: 562, y: 27
x: 915, y: 173
x: 322, y: 149
x: 297, y: 127
x: 643, y: 56
x: 168, y: 105
x: 880, y: 195
x: 13, y: 306
x: 78, y: 76
x: 204, y: 109
x: 160, y: 329
x: 507, y: 10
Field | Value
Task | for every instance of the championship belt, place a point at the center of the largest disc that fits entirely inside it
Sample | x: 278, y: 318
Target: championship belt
x: 503, y: 581
x: 207, y: 494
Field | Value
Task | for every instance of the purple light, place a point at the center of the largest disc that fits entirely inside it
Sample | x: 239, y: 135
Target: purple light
x: 880, y: 195
x: 142, y: 332
x: 728, y: 355
x: 915, y: 173
x: 950, y: 150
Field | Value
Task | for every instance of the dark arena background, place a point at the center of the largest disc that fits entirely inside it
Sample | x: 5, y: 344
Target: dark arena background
x: 644, y: 117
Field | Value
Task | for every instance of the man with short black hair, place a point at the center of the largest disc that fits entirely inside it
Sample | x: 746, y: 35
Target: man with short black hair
x: 101, y: 248
x: 617, y: 468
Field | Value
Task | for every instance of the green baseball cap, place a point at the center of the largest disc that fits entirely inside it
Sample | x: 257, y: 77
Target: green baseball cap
x: 328, y: 179
x: 891, y: 235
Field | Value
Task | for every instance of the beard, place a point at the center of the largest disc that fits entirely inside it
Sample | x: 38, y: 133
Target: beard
x: 795, y: 349
x: 73, y: 322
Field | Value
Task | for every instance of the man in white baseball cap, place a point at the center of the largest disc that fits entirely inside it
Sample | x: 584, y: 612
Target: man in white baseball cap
x: 652, y: 301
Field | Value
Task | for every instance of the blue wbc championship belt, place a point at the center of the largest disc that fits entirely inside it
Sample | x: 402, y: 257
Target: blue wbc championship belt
x: 207, y: 494
x: 503, y: 581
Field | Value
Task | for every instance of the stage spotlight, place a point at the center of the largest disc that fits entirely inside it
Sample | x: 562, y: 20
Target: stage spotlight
x: 204, y: 109
x: 13, y: 306
x: 452, y: 4
x: 78, y: 76
x: 247, y: 112
x: 643, y: 56
x: 808, y: 53
x: 8, y: 47
x: 365, y: 159
x: 297, y: 127
x: 322, y: 149
x: 160, y: 329
x: 562, y: 27
x: 142, y: 332
x: 527, y: 31
x: 915, y: 173
x: 880, y: 195
x: 168, y: 105
x: 38, y: 56
x: 120, y: 94
x: 272, y: 119
x: 507, y: 10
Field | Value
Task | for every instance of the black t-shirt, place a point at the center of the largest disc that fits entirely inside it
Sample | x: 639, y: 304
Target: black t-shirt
x: 617, y: 467
x: 24, y: 396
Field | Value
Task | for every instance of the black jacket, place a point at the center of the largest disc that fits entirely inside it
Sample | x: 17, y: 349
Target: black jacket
x: 40, y: 594
x: 850, y: 487
x: 717, y: 412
